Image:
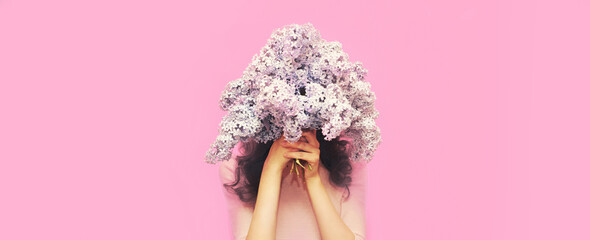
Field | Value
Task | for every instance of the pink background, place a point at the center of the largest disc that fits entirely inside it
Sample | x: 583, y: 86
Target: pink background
x: 108, y: 107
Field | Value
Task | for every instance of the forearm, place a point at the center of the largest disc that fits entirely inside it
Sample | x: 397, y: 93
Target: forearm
x: 329, y: 221
x: 264, y: 217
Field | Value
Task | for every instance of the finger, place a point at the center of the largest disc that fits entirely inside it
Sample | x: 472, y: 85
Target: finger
x: 311, y: 137
x: 309, y: 157
x: 301, y: 145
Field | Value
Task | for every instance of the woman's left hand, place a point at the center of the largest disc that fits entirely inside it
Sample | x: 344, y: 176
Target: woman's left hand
x: 308, y: 151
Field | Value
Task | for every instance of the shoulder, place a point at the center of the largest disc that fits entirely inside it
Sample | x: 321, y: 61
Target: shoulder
x: 227, y: 170
x: 357, y: 186
x: 359, y: 172
x: 352, y: 207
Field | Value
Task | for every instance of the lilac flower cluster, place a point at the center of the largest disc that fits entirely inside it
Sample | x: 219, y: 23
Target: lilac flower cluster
x: 298, y: 81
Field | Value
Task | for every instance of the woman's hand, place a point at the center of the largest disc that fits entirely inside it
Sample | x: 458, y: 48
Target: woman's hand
x: 264, y: 217
x: 275, y: 159
x: 308, y: 151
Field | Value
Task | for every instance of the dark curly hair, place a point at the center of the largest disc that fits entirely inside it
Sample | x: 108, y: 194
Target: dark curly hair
x: 334, y: 155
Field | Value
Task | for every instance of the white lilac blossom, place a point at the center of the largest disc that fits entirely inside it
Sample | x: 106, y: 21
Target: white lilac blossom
x: 298, y: 81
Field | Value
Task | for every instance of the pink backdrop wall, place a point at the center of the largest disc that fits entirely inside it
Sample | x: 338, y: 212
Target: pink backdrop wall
x: 108, y: 107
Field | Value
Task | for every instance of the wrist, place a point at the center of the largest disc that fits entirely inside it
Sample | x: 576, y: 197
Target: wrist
x: 271, y: 166
x: 313, y: 181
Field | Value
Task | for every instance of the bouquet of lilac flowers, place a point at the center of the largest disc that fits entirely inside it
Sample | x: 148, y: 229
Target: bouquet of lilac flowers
x: 298, y: 81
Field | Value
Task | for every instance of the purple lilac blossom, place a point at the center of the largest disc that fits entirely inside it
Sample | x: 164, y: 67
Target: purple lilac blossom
x: 298, y: 81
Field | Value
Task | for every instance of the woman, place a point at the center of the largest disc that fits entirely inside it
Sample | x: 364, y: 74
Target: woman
x: 270, y: 197
x: 296, y: 83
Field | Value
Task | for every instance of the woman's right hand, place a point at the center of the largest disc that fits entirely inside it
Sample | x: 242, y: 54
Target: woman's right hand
x: 264, y: 217
x: 275, y: 159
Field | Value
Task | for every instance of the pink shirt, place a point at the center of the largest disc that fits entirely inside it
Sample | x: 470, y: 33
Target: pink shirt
x: 295, y: 217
